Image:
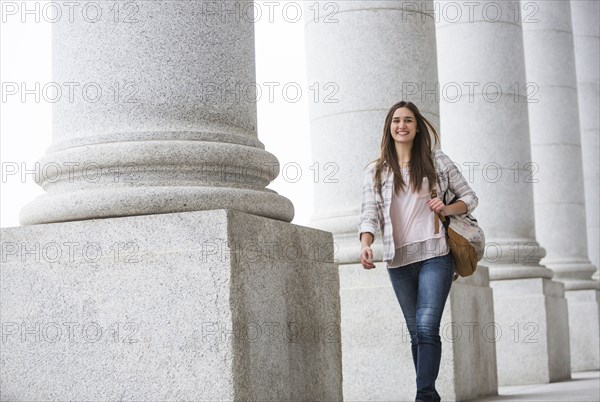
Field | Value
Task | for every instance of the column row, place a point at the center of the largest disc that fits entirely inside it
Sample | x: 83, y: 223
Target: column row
x: 510, y: 88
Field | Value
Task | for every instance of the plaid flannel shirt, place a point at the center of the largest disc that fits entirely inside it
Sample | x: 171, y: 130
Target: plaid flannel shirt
x: 375, y: 208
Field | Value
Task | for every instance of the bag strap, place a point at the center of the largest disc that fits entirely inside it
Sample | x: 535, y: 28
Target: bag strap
x: 446, y: 222
x: 437, y: 217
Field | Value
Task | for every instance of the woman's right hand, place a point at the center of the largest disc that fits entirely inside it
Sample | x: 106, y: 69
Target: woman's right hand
x: 366, y: 257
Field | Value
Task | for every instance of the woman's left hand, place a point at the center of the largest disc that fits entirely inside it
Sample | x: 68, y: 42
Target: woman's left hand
x: 436, y: 205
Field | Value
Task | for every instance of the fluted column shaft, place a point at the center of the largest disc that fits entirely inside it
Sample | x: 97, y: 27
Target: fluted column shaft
x: 166, y: 120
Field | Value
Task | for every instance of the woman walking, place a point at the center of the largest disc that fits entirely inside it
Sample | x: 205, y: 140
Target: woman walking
x: 400, y: 198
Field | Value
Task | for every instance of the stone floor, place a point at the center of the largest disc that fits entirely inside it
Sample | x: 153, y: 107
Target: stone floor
x: 584, y: 386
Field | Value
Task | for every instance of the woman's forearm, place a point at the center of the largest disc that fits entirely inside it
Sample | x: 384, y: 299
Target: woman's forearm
x: 458, y: 208
x: 366, y: 239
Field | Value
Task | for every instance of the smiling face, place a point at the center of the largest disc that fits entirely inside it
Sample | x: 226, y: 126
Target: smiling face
x: 404, y: 126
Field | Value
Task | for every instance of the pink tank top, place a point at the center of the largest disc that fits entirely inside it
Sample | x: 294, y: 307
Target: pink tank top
x: 413, y: 225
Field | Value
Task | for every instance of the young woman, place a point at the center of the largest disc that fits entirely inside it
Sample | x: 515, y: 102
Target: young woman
x: 400, y: 197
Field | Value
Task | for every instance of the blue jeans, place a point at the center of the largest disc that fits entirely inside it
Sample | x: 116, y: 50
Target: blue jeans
x: 422, y: 289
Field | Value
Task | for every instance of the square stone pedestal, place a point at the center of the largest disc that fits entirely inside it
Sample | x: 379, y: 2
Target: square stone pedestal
x: 584, y: 327
x: 211, y: 305
x: 533, y: 346
x: 377, y: 361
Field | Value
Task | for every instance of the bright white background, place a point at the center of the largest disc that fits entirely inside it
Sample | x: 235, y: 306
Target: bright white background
x: 25, y: 128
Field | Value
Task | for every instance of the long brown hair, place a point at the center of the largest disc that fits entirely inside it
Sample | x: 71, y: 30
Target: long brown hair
x: 421, y: 163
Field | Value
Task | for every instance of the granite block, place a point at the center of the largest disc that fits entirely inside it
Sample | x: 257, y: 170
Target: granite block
x: 215, y: 305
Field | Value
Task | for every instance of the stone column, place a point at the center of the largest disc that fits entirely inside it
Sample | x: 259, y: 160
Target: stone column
x: 346, y: 130
x: 586, y: 37
x: 208, y: 293
x: 370, y: 55
x: 484, y: 121
x: 559, y: 188
x: 157, y: 114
